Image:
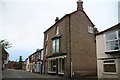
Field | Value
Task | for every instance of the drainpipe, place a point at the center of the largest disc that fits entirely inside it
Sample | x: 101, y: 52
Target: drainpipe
x: 70, y: 46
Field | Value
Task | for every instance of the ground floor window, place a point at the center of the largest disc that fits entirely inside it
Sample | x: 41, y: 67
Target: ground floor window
x: 56, y: 65
x: 52, y: 65
x: 61, y: 63
x: 109, y: 66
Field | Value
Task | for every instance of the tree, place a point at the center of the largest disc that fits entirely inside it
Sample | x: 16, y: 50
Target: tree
x: 5, y: 44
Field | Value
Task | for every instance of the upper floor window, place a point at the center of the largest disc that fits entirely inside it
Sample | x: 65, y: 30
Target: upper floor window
x: 57, y: 30
x: 46, y: 37
x: 113, y: 41
x: 56, y: 45
x: 90, y: 29
x: 46, y: 50
x: 119, y: 34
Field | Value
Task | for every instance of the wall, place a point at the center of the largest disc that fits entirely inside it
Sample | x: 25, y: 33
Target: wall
x: 83, y: 51
x: 27, y: 64
x: 64, y: 42
x: 100, y: 47
x: 11, y: 65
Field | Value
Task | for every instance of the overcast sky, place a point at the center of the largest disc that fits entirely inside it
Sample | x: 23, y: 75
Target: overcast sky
x: 22, y: 22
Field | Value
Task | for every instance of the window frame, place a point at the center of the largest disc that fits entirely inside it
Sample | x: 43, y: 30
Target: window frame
x: 55, y: 49
x: 46, y: 50
x: 90, y: 29
x: 115, y: 63
x: 57, y: 30
x: 62, y: 65
x: 46, y: 37
x: 50, y: 66
x: 107, y: 41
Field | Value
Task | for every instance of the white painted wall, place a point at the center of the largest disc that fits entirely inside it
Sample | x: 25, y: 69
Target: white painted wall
x: 100, y: 47
x: 27, y: 65
x: 42, y: 55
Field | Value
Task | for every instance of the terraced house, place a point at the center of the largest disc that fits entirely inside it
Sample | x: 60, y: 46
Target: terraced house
x: 34, y: 63
x: 108, y: 52
x: 69, y: 45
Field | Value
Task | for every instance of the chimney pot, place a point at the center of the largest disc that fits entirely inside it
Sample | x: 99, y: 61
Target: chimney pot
x: 57, y: 19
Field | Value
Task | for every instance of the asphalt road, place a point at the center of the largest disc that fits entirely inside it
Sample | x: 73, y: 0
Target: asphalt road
x: 12, y: 74
x: 20, y: 74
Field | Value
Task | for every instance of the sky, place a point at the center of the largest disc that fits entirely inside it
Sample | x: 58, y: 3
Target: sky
x: 22, y: 22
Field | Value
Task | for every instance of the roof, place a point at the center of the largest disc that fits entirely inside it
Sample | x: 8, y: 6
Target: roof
x: 67, y: 16
x: 111, y: 28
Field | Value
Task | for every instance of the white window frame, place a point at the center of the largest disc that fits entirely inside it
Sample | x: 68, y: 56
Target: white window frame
x: 116, y: 66
x: 56, y: 30
x: 106, y: 41
x: 46, y: 37
x: 90, y: 29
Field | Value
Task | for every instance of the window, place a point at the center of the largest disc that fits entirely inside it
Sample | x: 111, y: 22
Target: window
x: 113, y: 41
x: 55, y: 45
x: 61, y: 65
x: 90, y: 29
x: 57, y: 30
x: 46, y: 50
x: 119, y: 34
x: 109, y: 66
x: 46, y: 37
x: 52, y: 66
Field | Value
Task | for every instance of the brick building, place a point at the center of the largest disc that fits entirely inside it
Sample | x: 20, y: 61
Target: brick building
x: 5, y: 58
x: 11, y: 64
x: 34, y: 63
x: 69, y: 45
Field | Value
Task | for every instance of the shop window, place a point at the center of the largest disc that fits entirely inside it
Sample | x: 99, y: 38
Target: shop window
x: 61, y: 63
x: 52, y: 66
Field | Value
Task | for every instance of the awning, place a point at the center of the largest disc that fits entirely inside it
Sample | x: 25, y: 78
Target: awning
x: 56, y: 55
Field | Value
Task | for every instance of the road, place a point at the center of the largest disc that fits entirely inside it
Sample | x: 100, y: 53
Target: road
x: 12, y: 74
x: 22, y: 74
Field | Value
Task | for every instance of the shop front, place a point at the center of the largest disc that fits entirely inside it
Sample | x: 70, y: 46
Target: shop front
x: 56, y: 65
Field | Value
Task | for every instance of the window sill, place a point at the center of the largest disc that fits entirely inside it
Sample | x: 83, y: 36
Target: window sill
x: 51, y: 72
x: 46, y: 40
x: 110, y: 73
x: 112, y: 51
x: 56, y: 36
x: 60, y: 73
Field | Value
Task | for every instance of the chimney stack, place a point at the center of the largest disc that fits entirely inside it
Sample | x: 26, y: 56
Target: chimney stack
x: 79, y: 5
x: 57, y: 19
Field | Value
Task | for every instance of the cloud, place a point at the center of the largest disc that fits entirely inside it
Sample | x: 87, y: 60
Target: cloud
x: 24, y: 21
